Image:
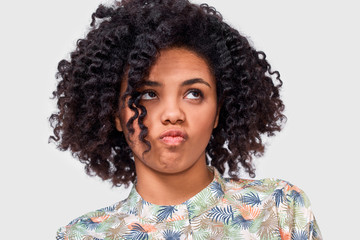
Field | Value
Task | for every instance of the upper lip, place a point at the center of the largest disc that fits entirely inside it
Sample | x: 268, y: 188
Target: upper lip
x: 174, y: 133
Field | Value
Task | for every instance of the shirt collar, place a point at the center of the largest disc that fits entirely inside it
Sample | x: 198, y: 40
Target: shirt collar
x: 196, y: 205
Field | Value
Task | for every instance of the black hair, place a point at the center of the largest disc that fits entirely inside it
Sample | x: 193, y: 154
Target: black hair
x: 125, y: 39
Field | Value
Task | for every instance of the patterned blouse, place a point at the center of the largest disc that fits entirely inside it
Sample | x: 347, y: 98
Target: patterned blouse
x: 225, y: 209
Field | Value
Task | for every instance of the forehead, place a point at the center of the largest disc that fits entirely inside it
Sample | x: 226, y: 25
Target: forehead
x: 176, y: 65
x: 179, y: 64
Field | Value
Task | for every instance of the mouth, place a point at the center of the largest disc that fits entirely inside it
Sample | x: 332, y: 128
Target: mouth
x: 173, y: 137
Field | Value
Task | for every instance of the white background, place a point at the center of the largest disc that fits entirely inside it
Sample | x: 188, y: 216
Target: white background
x: 314, y: 45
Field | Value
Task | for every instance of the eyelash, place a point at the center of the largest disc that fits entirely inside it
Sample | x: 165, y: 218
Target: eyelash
x: 147, y: 92
x: 196, y: 91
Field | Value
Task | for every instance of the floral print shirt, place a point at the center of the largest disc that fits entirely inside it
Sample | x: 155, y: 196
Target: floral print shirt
x: 225, y: 209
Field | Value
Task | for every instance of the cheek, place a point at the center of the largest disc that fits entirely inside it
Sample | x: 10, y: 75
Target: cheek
x: 133, y: 139
x: 202, y: 120
x: 125, y: 115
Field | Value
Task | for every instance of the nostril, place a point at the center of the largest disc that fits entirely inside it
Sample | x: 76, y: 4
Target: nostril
x: 173, y: 116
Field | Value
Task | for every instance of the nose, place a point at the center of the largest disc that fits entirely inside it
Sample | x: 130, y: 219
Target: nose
x: 172, y: 113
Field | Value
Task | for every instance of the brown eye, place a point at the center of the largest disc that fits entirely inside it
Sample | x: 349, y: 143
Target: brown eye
x: 194, y: 94
x: 148, y: 95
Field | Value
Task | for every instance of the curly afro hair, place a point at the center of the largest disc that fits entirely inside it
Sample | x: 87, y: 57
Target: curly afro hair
x: 125, y: 39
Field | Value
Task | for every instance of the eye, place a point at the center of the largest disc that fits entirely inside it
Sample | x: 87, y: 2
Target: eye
x: 148, y: 95
x: 194, y: 94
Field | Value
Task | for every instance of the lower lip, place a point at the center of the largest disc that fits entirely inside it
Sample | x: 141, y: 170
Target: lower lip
x: 172, y: 140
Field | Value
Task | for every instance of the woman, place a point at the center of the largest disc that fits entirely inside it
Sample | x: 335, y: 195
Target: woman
x: 165, y: 95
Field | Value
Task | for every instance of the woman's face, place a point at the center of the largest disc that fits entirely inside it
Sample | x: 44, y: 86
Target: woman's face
x: 181, y: 103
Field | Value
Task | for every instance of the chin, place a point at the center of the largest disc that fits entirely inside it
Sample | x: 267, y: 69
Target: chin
x: 170, y: 168
x: 174, y: 167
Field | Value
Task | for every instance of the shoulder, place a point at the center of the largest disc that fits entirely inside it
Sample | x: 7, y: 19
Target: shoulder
x: 264, y: 185
x: 85, y: 225
x: 273, y: 202
x: 265, y: 190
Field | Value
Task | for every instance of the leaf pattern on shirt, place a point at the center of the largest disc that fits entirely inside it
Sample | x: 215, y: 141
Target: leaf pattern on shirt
x: 225, y: 209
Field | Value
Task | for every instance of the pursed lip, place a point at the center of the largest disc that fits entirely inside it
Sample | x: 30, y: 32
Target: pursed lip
x: 173, y: 137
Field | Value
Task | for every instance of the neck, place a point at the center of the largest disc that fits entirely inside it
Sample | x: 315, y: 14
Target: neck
x: 171, y: 188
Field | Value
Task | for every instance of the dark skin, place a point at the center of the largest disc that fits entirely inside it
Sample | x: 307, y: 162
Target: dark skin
x: 181, y: 102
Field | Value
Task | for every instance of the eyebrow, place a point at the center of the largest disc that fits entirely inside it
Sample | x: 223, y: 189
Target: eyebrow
x: 185, y: 83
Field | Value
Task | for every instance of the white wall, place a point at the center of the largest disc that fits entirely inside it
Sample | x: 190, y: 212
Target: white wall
x: 314, y: 45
